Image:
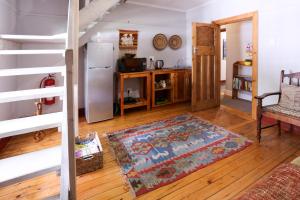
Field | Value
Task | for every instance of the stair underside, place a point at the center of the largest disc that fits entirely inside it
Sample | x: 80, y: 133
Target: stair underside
x: 60, y: 38
x: 30, y: 124
x: 21, y: 95
x: 32, y: 71
x: 94, y: 10
x: 32, y: 52
x: 19, y: 168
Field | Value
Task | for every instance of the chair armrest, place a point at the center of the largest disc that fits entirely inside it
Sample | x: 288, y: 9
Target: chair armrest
x: 267, y: 94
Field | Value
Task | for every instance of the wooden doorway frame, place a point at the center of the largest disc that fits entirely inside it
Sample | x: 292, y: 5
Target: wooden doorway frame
x: 253, y: 17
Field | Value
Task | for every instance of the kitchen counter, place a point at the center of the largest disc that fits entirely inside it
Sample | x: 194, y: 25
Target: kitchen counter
x: 170, y: 69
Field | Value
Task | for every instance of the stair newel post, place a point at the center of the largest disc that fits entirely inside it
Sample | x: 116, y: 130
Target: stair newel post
x: 72, y: 43
x: 68, y: 169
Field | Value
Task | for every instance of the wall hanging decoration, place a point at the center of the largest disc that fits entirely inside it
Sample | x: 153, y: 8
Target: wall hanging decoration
x: 160, y: 42
x: 175, y: 42
x: 128, y: 39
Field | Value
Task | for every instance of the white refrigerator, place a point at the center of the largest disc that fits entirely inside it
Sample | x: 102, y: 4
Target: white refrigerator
x: 99, y: 87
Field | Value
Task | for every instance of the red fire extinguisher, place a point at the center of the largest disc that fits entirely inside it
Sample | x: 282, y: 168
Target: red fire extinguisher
x: 46, y: 82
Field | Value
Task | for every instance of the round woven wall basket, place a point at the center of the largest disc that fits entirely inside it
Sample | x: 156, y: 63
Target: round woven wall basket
x: 175, y: 42
x: 160, y: 42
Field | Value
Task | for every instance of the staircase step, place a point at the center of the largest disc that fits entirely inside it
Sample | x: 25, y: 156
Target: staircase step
x: 26, y: 166
x: 32, y: 71
x: 60, y: 38
x: 22, y: 95
x: 21, y: 126
x: 32, y: 52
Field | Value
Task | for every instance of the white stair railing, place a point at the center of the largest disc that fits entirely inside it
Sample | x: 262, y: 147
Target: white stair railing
x: 26, y: 166
x: 68, y: 169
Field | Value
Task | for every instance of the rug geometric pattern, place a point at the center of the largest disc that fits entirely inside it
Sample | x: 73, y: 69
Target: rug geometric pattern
x: 161, y: 152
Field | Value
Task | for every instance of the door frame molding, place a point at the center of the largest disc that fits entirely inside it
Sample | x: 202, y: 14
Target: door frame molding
x: 253, y: 17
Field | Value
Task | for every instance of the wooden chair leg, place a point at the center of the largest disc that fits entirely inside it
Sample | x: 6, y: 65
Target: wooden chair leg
x: 259, y: 119
x: 259, y: 122
x: 291, y: 129
x: 279, y: 127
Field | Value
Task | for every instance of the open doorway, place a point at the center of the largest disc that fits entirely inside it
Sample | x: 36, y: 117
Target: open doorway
x: 236, y: 66
x: 206, y: 69
x: 242, y: 78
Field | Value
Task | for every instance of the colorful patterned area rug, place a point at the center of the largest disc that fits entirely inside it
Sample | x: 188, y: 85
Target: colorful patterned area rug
x: 162, y: 152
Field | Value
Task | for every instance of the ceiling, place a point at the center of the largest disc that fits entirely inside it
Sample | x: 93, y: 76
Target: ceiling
x: 177, y: 5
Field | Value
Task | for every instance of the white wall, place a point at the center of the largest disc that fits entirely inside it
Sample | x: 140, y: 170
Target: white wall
x: 149, y: 22
x: 27, y: 108
x: 36, y: 17
x: 278, y: 34
x: 239, y: 35
x: 42, y: 17
x: 7, y: 26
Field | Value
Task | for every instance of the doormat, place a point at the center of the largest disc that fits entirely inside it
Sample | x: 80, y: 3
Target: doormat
x: 162, y: 152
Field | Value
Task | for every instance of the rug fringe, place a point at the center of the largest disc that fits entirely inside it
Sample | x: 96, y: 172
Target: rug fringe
x: 123, y: 175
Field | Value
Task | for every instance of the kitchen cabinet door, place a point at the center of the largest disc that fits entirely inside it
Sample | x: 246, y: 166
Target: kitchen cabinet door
x: 180, y: 84
x: 188, y: 85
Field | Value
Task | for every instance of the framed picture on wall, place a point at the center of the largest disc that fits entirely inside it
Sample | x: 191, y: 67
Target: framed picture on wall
x: 128, y: 39
x: 224, y: 56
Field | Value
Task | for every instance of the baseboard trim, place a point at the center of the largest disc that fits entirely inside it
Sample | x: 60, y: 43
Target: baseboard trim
x: 237, y: 112
x: 227, y: 92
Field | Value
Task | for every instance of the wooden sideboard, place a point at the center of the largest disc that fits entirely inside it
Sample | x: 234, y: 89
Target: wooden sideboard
x: 179, y: 90
x: 145, y: 90
x: 178, y: 87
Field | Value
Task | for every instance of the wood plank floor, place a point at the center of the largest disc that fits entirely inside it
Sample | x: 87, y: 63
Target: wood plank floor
x: 225, y: 179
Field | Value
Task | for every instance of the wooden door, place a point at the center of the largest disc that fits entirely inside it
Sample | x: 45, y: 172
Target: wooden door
x: 206, y: 67
x: 179, y: 86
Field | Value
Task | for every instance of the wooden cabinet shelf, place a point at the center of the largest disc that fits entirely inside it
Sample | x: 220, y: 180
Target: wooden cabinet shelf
x: 161, y: 89
x: 240, y: 82
x: 162, y: 96
x: 139, y: 102
x: 248, y: 78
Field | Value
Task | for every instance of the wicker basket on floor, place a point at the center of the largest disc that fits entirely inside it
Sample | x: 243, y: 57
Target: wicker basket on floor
x: 90, y: 161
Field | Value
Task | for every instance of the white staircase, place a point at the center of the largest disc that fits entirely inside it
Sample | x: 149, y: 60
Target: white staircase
x: 26, y: 166
x: 18, y: 168
x: 29, y: 165
x: 30, y: 124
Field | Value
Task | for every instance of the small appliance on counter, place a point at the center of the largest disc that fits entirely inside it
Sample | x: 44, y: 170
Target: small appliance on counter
x: 129, y: 63
x: 159, y: 64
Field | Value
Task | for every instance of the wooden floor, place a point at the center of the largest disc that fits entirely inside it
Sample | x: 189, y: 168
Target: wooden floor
x: 225, y: 179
